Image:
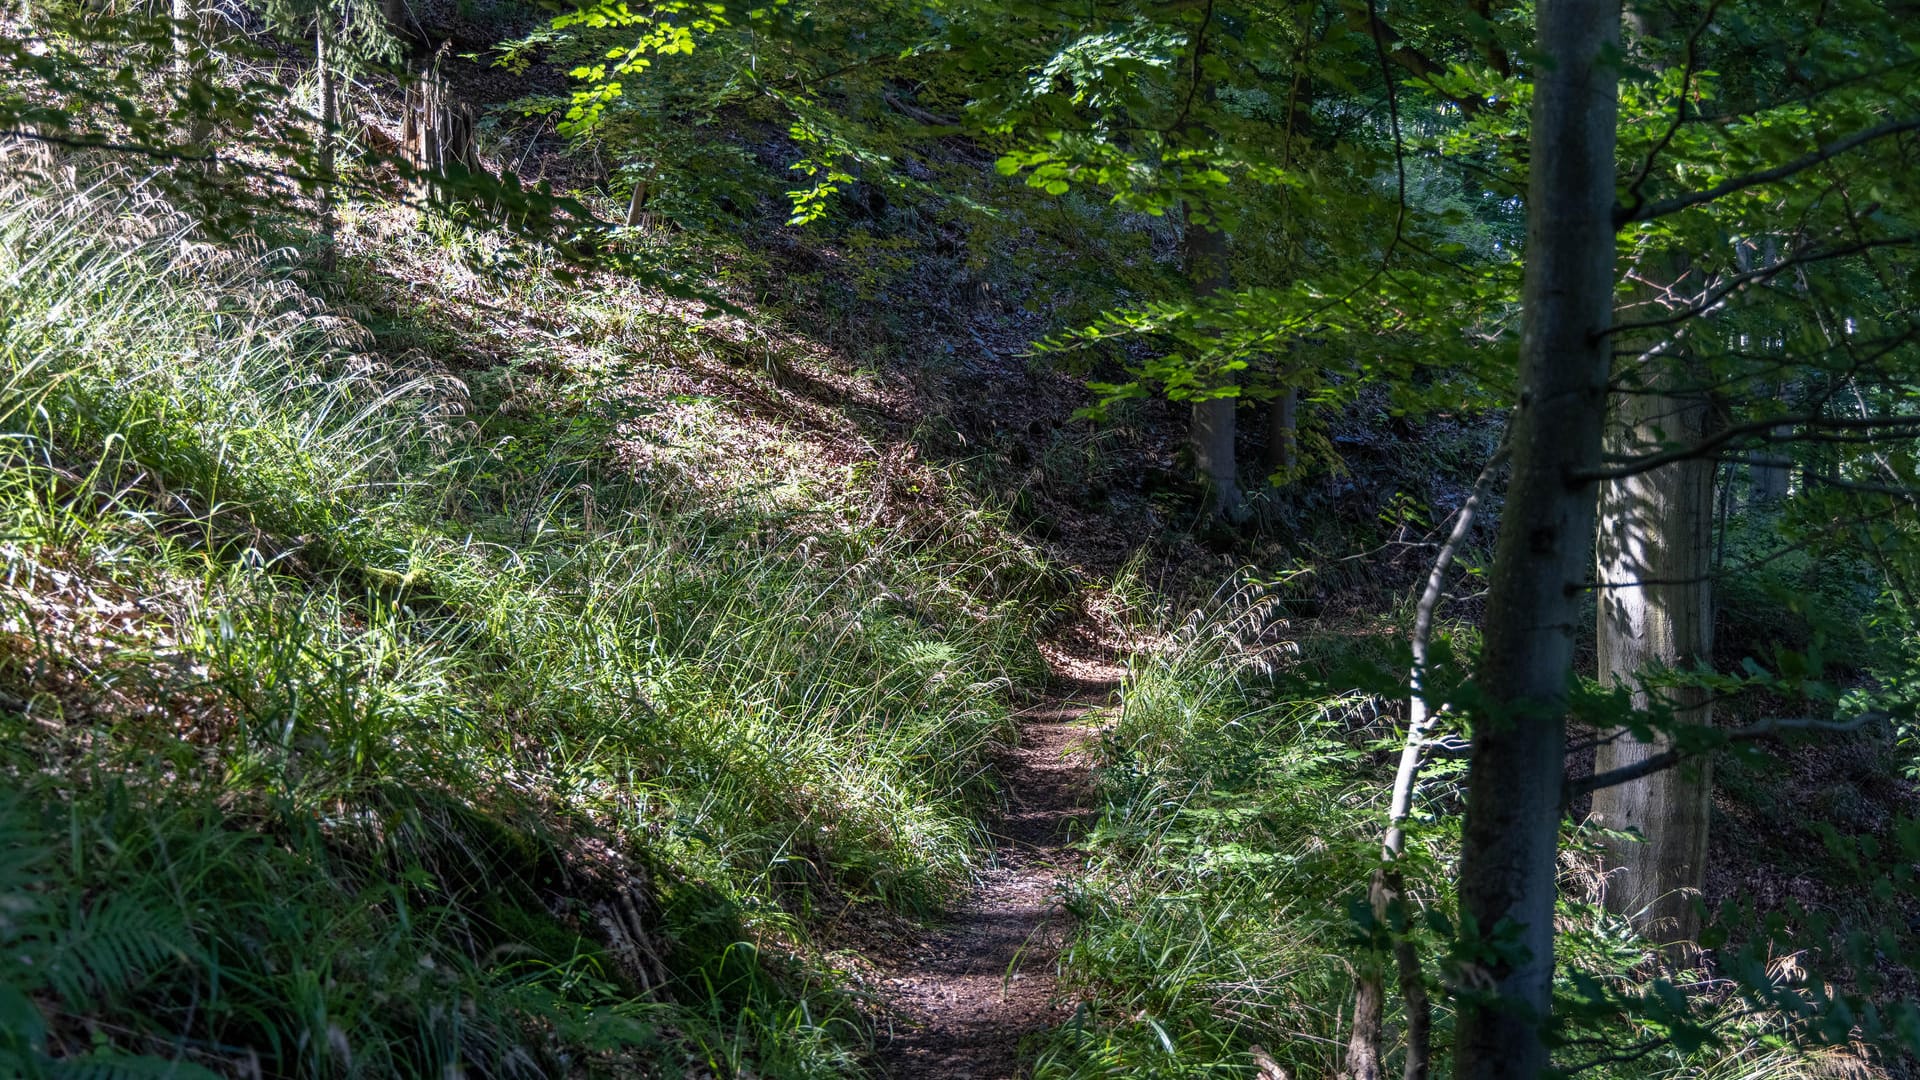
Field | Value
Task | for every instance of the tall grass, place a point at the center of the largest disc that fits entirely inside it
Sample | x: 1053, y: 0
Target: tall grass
x: 322, y: 773
x: 1224, y: 919
x: 1230, y: 844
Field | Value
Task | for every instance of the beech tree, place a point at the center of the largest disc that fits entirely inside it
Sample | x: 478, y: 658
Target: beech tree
x: 1797, y: 152
x: 1139, y: 103
x: 1654, y: 580
x: 1510, y: 841
x: 1711, y: 296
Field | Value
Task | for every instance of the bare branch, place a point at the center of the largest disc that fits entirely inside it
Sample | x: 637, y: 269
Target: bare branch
x: 1718, y: 295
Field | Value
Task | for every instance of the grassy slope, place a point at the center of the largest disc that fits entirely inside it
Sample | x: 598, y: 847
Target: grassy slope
x: 383, y: 697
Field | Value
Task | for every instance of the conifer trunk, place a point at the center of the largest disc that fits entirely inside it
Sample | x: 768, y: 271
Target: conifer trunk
x: 1509, y: 844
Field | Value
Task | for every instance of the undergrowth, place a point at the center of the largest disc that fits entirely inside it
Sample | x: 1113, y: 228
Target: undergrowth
x: 1224, y: 919
x: 1234, y: 817
x: 334, y: 752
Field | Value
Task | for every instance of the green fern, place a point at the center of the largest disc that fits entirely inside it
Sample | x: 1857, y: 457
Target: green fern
x: 98, y: 952
x: 109, y: 948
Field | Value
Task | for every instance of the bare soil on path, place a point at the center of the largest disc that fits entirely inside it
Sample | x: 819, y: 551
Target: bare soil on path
x: 966, y: 996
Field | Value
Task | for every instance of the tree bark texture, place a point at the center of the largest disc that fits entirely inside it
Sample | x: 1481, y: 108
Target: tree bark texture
x: 1369, y: 1008
x: 1655, y: 560
x: 1509, y: 844
x: 1283, y: 433
x: 1211, y: 436
x: 192, y: 31
x: 436, y: 131
x: 323, y: 62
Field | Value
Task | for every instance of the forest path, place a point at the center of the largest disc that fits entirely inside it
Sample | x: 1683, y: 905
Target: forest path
x: 968, y: 993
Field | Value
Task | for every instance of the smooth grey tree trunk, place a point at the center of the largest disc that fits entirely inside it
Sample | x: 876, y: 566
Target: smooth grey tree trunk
x: 1654, y: 562
x: 1211, y: 436
x: 1509, y: 844
x: 1655, y: 614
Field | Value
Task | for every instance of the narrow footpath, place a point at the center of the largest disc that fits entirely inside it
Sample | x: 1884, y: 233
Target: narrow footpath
x: 966, y: 996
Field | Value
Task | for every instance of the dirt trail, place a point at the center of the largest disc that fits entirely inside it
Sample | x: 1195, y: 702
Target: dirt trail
x: 966, y: 995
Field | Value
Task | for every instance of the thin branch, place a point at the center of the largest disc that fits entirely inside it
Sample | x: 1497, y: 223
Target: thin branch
x: 1650, y: 211
x: 1753, y: 432
x: 1194, y: 82
x: 1718, y: 295
x: 1365, y: 18
x: 1490, y: 47
x: 1765, y: 729
x: 1691, y: 64
x: 1903, y: 493
x: 1877, y: 513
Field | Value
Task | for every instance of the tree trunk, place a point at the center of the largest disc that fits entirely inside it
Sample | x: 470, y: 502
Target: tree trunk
x: 399, y: 20
x: 1283, y: 433
x: 1509, y: 843
x: 1212, y: 434
x: 1769, y: 476
x: 191, y: 32
x: 1654, y: 562
x: 1388, y: 887
x: 645, y: 188
x: 436, y: 132
x: 1283, y: 415
x: 1369, y: 1005
x: 329, y: 122
x: 1655, y: 613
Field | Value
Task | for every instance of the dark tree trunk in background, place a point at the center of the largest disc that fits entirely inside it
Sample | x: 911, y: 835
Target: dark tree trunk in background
x: 399, y: 19
x: 1283, y: 433
x: 1509, y: 844
x: 1212, y: 434
x: 436, y: 131
x: 1283, y: 413
x: 1769, y: 476
x: 323, y: 61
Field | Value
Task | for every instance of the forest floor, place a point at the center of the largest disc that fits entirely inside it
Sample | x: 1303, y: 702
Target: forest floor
x: 966, y: 996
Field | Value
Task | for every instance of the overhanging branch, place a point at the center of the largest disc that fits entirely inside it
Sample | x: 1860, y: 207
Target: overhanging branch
x: 1649, y: 211
x: 1365, y: 20
x: 1753, y: 432
x: 1765, y: 729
